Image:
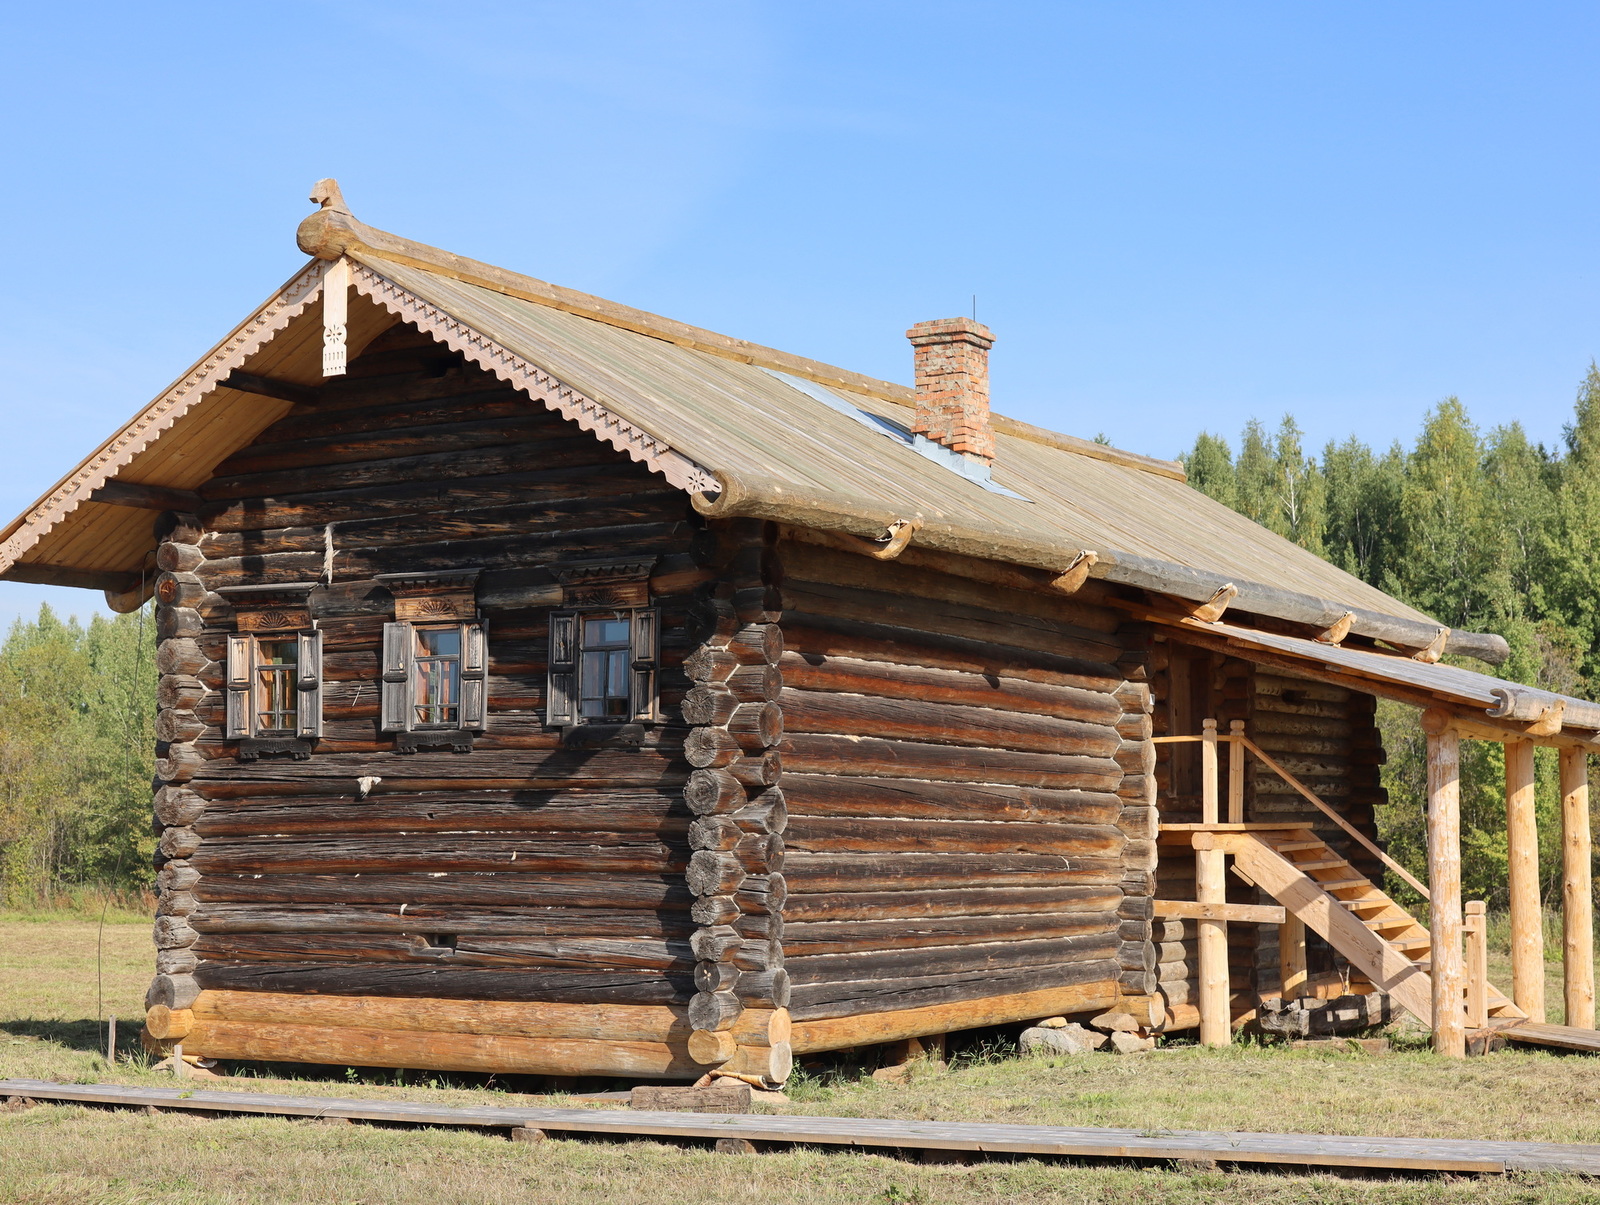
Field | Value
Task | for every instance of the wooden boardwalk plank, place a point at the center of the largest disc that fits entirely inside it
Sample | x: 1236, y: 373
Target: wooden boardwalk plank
x: 1567, y: 1037
x: 1310, y: 1150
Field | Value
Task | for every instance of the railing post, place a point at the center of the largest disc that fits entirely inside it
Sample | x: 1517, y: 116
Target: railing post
x: 1475, y: 929
x: 1522, y: 848
x: 1236, y: 772
x: 1577, y: 899
x: 1444, y: 882
x: 1208, y: 772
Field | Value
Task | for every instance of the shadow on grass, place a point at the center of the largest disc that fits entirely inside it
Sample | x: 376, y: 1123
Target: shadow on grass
x: 88, y: 1036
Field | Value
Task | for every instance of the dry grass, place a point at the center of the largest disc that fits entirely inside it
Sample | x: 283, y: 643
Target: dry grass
x: 87, y: 1157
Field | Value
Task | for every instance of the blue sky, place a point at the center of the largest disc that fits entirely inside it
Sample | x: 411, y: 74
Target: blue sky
x: 1175, y: 216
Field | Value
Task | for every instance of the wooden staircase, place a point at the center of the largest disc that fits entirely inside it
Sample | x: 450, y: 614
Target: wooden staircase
x: 1352, y: 914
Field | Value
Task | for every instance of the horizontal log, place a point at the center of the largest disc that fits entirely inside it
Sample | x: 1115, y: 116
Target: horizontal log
x: 942, y: 723
x: 643, y: 923
x: 599, y: 953
x: 813, y: 834
x: 977, y: 902
x: 497, y: 1054
x: 804, y: 561
x: 462, y: 983
x: 883, y: 679
x: 851, y: 937
x: 870, y: 757
x: 822, y: 873
x: 461, y: 889
x: 872, y: 1028
x: 888, y: 798
x: 991, y: 956
x: 832, y: 636
x: 592, y: 1022
x: 511, y: 853
x: 623, y: 811
x: 817, y: 1002
x: 950, y: 619
x: 602, y: 769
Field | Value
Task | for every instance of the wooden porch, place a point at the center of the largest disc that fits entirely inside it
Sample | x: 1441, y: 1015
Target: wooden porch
x: 1438, y: 975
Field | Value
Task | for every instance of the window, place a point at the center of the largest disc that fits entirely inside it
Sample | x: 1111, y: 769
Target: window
x: 436, y: 678
x: 274, y: 686
x: 602, y: 667
x: 434, y: 681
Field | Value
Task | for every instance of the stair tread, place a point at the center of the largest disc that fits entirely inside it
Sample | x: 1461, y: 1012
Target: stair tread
x: 1341, y: 884
x: 1324, y: 864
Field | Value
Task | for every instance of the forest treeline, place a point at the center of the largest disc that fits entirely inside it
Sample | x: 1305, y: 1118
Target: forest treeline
x: 1483, y: 530
x: 77, y: 749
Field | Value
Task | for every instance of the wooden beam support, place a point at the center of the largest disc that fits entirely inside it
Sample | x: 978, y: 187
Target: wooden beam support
x: 1444, y: 883
x: 1336, y: 632
x: 1475, y: 928
x: 145, y: 497
x: 1577, y: 890
x: 1214, y: 607
x: 1522, y: 844
x: 284, y: 391
x: 61, y: 575
x: 1216, y: 1020
x: 1258, y: 914
x: 1292, y: 957
x: 1208, y: 772
x: 1076, y: 573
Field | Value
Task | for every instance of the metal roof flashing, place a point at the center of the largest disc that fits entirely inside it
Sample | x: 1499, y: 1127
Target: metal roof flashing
x: 975, y: 471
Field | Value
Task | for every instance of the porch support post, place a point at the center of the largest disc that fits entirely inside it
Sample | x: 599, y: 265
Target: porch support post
x: 1216, y: 1018
x: 1236, y: 773
x: 1444, y: 884
x: 1577, y: 892
x: 1527, y: 923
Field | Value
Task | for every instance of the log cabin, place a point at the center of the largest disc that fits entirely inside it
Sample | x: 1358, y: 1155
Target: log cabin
x: 551, y: 687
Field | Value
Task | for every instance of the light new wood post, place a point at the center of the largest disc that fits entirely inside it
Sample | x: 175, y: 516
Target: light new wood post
x: 1208, y: 772
x: 1444, y: 885
x: 1577, y: 898
x: 1292, y: 957
x: 1216, y: 1021
x: 1475, y: 930
x: 1236, y: 773
x: 1522, y: 843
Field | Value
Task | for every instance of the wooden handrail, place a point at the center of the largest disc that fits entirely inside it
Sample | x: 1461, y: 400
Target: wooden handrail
x: 1327, y: 811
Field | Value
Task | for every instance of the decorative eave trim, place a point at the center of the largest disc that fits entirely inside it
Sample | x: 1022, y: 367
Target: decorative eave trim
x: 116, y: 453
x: 655, y: 454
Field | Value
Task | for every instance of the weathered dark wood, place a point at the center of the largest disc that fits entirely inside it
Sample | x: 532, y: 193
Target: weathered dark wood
x: 286, y: 391
x: 822, y: 873
x: 942, y: 723
x: 855, y: 936
x: 467, y: 983
x: 469, y: 889
x: 804, y: 753
x: 394, y: 854
x: 888, y: 798
x: 145, y: 497
x: 844, y: 998
x: 660, y: 812
x: 850, y: 835
x: 982, y: 902
x: 470, y: 950
x: 460, y: 920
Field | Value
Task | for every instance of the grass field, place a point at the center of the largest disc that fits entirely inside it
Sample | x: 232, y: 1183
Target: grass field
x: 61, y: 1154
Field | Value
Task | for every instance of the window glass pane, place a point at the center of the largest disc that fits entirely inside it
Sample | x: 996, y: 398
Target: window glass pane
x: 436, y: 685
x: 605, y: 633
x: 617, y: 679
x: 276, y: 663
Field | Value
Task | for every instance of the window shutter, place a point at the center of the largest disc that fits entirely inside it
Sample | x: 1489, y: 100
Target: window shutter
x: 240, y: 650
x: 562, y: 689
x: 644, y: 665
x: 310, y: 702
x: 397, y: 715
x: 474, y: 711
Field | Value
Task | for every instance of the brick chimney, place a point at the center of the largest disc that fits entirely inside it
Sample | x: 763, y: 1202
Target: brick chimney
x: 952, y: 375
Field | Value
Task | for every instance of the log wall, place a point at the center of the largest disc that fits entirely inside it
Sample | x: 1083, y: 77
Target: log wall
x: 967, y: 776
x: 519, y: 871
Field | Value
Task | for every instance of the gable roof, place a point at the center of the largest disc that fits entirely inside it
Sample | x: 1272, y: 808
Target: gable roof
x: 745, y: 430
